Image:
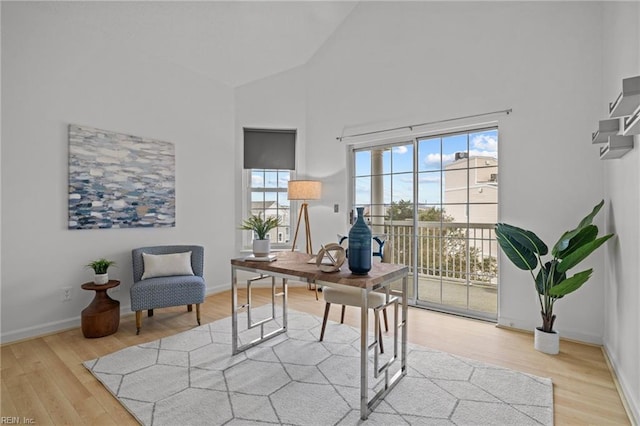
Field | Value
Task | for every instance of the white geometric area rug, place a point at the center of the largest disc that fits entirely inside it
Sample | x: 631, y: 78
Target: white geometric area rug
x: 192, y: 379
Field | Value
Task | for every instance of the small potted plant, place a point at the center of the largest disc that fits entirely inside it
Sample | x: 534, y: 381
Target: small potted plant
x: 261, y: 228
x: 551, y: 281
x: 100, y: 267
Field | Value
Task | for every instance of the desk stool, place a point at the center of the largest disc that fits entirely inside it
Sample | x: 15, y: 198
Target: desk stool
x: 352, y: 298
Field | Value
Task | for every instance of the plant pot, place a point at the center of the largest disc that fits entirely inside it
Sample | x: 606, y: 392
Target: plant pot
x: 549, y: 343
x: 261, y: 248
x: 100, y: 279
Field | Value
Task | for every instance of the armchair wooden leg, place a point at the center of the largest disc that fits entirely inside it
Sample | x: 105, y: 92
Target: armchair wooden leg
x: 324, y: 320
x: 197, y: 312
x: 150, y: 312
x: 189, y: 308
x: 138, y: 321
x: 342, y: 314
x: 386, y: 321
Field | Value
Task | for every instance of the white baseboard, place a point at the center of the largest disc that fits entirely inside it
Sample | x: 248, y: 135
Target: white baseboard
x: 50, y: 328
x: 567, y: 334
x: 630, y: 404
x: 40, y: 330
x: 217, y: 289
x: 74, y: 322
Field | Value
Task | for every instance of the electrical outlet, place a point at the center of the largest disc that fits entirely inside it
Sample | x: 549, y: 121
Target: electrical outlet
x: 65, y: 296
x: 336, y: 208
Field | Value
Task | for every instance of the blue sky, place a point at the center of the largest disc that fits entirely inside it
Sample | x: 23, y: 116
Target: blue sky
x: 271, y: 179
x: 434, y: 154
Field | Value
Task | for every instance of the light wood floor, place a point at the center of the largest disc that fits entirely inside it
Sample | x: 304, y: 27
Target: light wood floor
x: 43, y: 378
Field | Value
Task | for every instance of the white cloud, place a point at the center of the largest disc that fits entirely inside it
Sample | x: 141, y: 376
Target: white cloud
x: 283, y: 181
x: 476, y: 153
x: 361, y: 186
x: 434, y: 158
x: 485, y: 143
x: 400, y: 149
x: 429, y: 178
x: 257, y: 181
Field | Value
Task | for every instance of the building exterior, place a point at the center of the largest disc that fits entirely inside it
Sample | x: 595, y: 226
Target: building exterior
x: 482, y: 194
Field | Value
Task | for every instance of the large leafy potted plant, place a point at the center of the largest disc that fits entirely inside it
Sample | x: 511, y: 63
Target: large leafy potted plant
x: 525, y: 250
x: 261, y: 228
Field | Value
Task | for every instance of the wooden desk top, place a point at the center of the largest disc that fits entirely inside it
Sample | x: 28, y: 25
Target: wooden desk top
x: 295, y: 264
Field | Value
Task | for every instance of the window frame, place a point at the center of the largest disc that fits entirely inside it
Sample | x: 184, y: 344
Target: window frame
x: 247, y: 238
x: 248, y: 189
x: 414, y: 139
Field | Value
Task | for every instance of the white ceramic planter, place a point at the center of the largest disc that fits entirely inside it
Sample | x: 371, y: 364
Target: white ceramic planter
x: 261, y: 248
x: 549, y: 343
x: 100, y: 279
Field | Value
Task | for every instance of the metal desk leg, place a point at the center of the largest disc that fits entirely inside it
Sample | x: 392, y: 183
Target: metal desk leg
x: 235, y: 346
x: 234, y: 310
x: 405, y: 321
x: 285, y: 306
x: 364, y: 354
x: 367, y: 406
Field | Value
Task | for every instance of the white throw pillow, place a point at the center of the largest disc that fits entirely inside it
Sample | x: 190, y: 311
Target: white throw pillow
x: 166, y: 265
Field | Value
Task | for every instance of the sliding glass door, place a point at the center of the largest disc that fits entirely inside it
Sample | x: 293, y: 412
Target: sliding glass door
x: 435, y: 200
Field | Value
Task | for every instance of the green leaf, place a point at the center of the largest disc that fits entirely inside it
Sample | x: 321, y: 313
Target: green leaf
x: 520, y: 255
x: 563, y: 242
x: 525, y: 238
x: 589, y: 218
x: 543, y: 283
x: 541, y: 279
x: 586, y: 235
x: 570, y: 284
x: 261, y: 227
x: 101, y: 266
x: 581, y: 253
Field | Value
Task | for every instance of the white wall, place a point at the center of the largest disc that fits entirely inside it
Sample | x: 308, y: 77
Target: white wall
x: 55, y: 72
x: 425, y: 61
x: 621, y: 59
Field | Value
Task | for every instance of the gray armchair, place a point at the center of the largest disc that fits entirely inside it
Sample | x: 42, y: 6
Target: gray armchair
x: 168, y: 280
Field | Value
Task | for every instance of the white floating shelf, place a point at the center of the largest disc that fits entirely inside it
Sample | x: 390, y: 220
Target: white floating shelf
x: 628, y: 100
x: 606, y: 128
x: 631, y: 124
x: 616, y: 147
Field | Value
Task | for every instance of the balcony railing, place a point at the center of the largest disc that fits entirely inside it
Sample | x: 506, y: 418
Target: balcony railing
x: 465, y: 252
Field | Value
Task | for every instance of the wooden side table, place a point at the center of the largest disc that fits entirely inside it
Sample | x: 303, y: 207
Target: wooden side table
x: 102, y: 316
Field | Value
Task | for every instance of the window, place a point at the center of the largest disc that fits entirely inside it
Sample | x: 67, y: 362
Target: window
x: 268, y: 197
x: 269, y: 158
x: 435, y: 198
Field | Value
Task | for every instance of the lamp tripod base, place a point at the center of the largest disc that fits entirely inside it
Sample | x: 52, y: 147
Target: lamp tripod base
x: 304, y: 215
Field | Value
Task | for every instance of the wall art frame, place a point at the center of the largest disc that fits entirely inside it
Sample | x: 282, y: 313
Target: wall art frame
x: 119, y: 181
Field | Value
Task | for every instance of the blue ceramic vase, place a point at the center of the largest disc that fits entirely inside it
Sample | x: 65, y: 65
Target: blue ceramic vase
x: 360, y: 245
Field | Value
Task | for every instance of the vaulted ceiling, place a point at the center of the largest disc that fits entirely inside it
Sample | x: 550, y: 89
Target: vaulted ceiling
x: 233, y: 42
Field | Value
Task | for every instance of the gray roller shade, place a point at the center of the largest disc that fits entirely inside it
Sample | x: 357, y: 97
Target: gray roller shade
x: 269, y: 149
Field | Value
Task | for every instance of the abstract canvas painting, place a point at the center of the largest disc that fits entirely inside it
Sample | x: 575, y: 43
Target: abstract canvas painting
x: 119, y: 181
